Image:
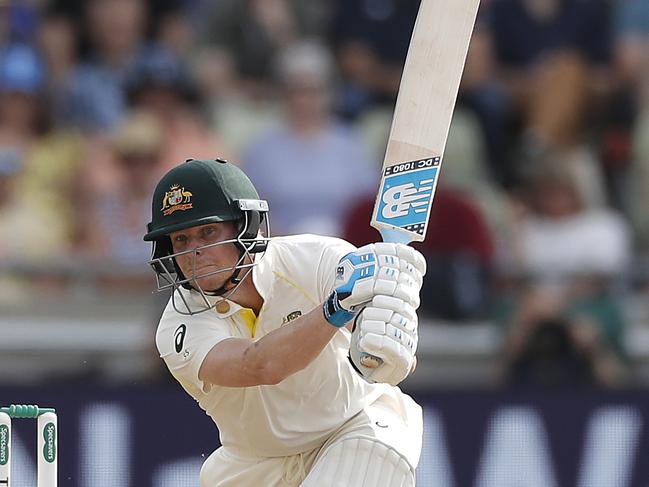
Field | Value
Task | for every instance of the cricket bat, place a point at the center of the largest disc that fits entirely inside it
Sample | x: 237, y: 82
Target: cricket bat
x: 422, y: 116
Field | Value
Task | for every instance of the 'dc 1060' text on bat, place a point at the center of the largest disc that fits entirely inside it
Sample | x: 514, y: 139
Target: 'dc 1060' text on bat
x: 412, y: 165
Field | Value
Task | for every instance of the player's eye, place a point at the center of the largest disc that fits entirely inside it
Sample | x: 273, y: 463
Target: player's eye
x: 180, y: 239
x: 209, y: 232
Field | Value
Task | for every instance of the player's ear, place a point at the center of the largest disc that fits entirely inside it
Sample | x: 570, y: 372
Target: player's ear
x: 162, y: 264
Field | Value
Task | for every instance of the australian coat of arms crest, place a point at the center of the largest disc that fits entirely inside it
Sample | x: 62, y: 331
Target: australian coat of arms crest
x: 176, y: 199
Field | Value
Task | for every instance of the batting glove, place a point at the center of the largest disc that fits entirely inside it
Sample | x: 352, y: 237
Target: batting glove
x: 384, y: 340
x: 377, y: 269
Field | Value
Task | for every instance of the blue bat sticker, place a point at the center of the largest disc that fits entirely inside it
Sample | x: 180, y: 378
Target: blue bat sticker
x: 406, y: 194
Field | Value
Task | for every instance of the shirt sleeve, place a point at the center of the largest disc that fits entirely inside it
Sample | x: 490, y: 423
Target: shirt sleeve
x: 185, y: 341
x: 335, y: 250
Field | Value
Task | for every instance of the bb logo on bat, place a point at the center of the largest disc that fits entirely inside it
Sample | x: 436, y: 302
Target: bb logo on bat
x: 400, y: 199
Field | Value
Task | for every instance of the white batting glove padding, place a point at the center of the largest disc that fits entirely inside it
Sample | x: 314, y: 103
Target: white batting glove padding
x: 410, y: 259
x: 380, y: 269
x: 387, y: 330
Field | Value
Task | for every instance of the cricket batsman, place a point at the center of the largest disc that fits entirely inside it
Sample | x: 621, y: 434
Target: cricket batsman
x: 272, y: 336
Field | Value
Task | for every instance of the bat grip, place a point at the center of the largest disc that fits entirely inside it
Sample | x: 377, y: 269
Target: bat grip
x: 394, y: 235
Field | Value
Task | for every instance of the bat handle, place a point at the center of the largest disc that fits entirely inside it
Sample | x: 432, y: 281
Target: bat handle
x: 395, y: 235
x: 391, y: 235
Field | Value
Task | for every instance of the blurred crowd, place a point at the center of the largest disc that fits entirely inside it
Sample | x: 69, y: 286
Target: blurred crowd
x: 539, y: 222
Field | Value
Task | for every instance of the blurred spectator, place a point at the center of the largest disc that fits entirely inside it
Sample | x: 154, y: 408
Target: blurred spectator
x: 633, y: 67
x: 117, y: 209
x: 26, y: 232
x: 57, y: 42
x: 558, y: 237
x: 40, y: 162
x: 564, y: 340
x: 630, y: 92
x: 371, y: 61
x: 309, y: 158
x: 458, y: 248
x: 551, y: 357
x: 564, y: 323
x: 465, y: 168
x: 551, y: 67
x: 173, y: 28
x: 632, y: 33
x: 5, y: 22
x: 252, y: 32
x: 116, y: 31
x: 18, y: 21
x: 235, y: 116
x: 162, y: 86
x: 21, y: 82
x: 638, y: 189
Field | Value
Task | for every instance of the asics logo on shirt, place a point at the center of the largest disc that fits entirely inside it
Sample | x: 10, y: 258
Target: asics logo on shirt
x: 179, y: 337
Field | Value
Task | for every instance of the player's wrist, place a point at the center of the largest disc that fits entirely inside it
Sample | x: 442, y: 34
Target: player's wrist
x: 335, y: 314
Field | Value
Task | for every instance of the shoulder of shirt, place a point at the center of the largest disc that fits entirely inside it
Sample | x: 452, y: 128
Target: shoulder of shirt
x: 306, y: 243
x: 292, y: 255
x: 171, y: 320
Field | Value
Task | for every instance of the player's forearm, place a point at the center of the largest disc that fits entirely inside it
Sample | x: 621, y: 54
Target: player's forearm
x: 291, y: 348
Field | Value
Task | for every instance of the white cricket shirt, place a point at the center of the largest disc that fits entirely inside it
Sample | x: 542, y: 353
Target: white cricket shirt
x: 295, y: 275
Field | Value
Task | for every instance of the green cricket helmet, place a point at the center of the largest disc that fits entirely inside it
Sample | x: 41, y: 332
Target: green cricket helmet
x: 200, y: 192
x: 196, y: 193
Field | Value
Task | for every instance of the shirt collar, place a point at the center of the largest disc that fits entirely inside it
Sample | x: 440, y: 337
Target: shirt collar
x: 223, y: 308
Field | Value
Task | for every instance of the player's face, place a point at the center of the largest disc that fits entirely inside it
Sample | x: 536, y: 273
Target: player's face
x: 197, y: 261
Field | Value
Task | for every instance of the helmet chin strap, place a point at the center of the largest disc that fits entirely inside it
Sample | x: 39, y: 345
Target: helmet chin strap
x: 233, y: 279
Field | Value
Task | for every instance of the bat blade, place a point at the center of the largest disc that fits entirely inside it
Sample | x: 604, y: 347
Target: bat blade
x: 422, y: 116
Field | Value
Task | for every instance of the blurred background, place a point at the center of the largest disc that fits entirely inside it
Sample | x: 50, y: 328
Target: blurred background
x: 534, y: 350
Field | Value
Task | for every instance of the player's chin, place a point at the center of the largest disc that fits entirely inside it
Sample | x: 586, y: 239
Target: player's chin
x: 210, y: 283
